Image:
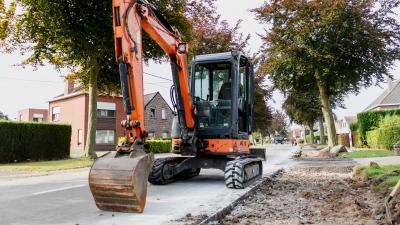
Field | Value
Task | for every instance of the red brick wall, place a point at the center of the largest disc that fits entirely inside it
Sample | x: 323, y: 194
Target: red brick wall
x: 120, y: 115
x: 27, y: 114
x: 73, y: 111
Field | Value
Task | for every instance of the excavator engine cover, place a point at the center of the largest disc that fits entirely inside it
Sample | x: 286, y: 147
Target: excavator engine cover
x: 118, y: 182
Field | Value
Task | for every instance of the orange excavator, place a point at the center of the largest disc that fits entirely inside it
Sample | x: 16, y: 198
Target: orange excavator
x: 212, y: 123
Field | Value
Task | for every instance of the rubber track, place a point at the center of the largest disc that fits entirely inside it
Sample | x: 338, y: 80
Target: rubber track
x: 156, y: 175
x: 234, y: 173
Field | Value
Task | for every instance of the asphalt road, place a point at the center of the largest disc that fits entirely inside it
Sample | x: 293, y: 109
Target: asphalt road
x: 64, y: 198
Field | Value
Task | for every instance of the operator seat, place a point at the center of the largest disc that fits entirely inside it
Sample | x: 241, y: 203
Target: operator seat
x: 225, y: 91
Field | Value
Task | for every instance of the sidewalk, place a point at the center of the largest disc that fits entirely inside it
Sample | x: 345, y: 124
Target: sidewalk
x: 379, y: 160
x: 12, y: 174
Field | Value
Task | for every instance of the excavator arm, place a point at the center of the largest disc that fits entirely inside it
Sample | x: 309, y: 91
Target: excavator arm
x: 118, y: 180
x: 130, y: 19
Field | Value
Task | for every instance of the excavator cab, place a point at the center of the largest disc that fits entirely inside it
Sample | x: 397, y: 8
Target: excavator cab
x: 222, y: 92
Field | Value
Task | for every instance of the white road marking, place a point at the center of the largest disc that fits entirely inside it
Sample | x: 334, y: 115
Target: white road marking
x: 58, y: 189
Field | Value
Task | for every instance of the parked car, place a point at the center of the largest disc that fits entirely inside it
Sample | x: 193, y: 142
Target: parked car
x: 279, y: 140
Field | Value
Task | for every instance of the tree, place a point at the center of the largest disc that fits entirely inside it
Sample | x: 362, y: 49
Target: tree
x: 3, y: 116
x: 210, y: 33
x: 303, y: 108
x: 337, y: 46
x: 278, y: 125
x: 262, y: 113
x: 79, y: 35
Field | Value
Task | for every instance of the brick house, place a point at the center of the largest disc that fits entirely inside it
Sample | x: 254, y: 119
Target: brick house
x: 71, y: 107
x: 158, y: 116
x: 33, y: 115
x: 389, y: 99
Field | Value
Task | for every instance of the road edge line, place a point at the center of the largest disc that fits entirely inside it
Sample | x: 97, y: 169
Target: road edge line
x: 220, y: 214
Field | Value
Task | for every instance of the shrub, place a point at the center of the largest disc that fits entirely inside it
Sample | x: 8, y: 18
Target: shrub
x: 373, y: 139
x: 300, y: 141
x: 386, y: 135
x: 317, y: 138
x: 356, y: 139
x: 354, y: 127
x: 160, y: 145
x: 21, y: 141
x: 368, y: 121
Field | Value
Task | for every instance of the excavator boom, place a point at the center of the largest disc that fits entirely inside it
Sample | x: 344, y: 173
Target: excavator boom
x: 118, y: 180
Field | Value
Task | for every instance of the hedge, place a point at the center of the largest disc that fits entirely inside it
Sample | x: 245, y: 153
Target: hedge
x: 316, y: 138
x: 156, y: 145
x: 22, y: 141
x: 386, y: 135
x: 368, y: 121
x: 160, y: 145
x: 356, y: 140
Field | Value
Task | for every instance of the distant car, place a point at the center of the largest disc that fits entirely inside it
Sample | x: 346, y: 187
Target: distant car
x: 279, y: 140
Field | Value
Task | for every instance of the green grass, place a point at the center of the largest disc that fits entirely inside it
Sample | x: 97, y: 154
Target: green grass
x: 319, y: 147
x: 46, y: 166
x: 367, y: 153
x: 377, y: 175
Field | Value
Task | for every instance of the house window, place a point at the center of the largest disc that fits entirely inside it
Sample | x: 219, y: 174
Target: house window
x: 151, y: 134
x: 37, y: 117
x: 55, y: 114
x: 106, y: 110
x: 80, y: 136
x: 21, y: 117
x: 163, y: 114
x: 152, y: 113
x: 105, y: 137
x: 165, y: 135
x: 103, y: 113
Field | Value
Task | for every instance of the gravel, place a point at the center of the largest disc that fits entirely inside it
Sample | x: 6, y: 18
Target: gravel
x: 311, y: 195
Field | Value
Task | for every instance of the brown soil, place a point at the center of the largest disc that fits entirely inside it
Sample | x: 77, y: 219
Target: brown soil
x: 311, y: 195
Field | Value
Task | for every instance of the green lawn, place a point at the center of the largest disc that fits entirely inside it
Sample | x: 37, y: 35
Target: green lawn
x: 367, y: 154
x: 46, y: 166
x: 379, y: 176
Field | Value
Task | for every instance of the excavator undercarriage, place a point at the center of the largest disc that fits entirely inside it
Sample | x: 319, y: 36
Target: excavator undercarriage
x: 239, y: 172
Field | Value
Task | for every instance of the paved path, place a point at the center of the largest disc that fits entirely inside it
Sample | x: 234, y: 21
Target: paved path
x: 379, y: 160
x: 64, y: 198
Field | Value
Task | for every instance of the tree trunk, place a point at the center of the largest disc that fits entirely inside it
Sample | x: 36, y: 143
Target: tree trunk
x: 311, y: 126
x: 326, y: 110
x: 321, y: 131
x: 92, y: 112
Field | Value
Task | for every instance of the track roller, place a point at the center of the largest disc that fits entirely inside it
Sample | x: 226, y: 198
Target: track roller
x: 163, y: 171
x: 241, y: 172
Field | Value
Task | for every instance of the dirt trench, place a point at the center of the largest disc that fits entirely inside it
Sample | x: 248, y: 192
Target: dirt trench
x: 311, y: 195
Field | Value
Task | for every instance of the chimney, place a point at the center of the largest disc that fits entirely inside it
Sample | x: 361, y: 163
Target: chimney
x: 68, y: 86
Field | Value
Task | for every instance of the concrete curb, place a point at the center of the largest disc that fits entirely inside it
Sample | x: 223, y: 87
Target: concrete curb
x: 220, y: 214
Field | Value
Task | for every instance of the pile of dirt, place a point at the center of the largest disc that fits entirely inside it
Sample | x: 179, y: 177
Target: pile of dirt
x: 311, y: 195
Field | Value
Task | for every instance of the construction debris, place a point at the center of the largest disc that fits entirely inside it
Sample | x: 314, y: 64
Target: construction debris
x: 311, y: 195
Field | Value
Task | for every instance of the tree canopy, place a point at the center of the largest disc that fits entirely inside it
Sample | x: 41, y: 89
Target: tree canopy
x: 279, y: 124
x: 79, y: 35
x: 336, y: 47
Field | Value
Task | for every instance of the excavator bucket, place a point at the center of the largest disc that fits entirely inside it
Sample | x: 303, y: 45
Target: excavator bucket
x: 119, y: 182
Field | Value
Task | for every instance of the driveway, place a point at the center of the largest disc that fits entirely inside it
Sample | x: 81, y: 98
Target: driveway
x: 64, y: 198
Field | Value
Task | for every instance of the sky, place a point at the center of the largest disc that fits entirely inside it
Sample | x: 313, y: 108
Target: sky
x: 31, y: 88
